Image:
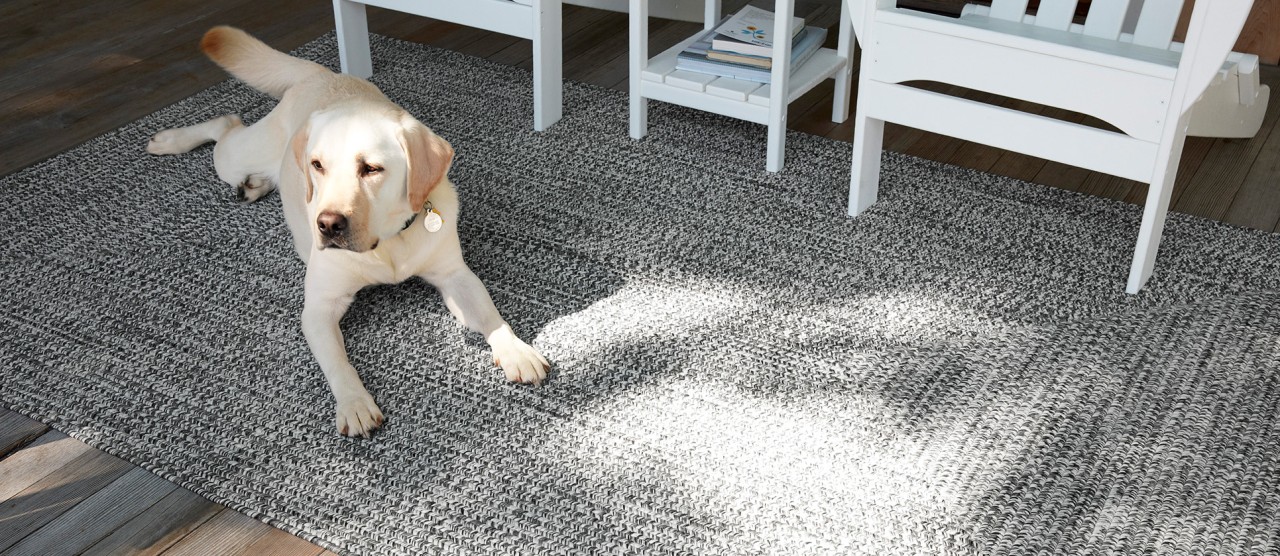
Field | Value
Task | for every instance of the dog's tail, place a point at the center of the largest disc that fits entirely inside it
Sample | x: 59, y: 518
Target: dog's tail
x: 252, y: 61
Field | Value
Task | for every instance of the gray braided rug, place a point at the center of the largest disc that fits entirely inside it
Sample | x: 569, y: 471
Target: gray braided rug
x: 739, y: 368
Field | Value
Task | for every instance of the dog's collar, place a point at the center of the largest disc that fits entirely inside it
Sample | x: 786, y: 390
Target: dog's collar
x: 432, y: 221
x: 410, y: 221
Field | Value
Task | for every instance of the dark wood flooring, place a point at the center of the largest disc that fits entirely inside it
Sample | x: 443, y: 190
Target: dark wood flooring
x: 73, y: 69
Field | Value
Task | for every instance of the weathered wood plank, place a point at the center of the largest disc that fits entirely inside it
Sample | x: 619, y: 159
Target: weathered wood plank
x: 16, y: 430
x: 1259, y: 34
x: 37, y: 460
x: 1257, y: 203
x: 1062, y: 176
x: 449, y: 36
x: 1193, y: 154
x: 228, y: 532
x: 102, y: 47
x: 613, y: 74
x: 81, y: 107
x: 97, y: 516
x: 280, y: 543
x: 1109, y: 187
x: 57, y: 493
x: 1222, y: 172
x: 157, y: 528
x: 590, y: 46
x: 815, y: 119
x: 578, y: 25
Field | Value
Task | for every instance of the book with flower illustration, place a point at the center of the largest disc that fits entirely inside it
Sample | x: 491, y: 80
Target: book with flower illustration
x: 750, y: 31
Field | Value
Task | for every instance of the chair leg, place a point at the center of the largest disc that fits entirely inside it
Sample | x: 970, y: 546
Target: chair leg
x: 710, y: 13
x: 779, y: 86
x: 1153, y: 216
x: 776, y: 147
x: 548, y: 85
x: 844, y: 78
x: 864, y: 176
x: 353, y: 38
x: 639, y: 59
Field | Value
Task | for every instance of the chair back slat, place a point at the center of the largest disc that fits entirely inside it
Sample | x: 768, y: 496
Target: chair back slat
x: 1106, y: 19
x: 1009, y: 10
x: 1055, y: 14
x: 1156, y: 23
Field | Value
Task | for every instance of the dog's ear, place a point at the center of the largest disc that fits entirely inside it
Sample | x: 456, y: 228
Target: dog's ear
x: 428, y: 157
x: 299, y: 147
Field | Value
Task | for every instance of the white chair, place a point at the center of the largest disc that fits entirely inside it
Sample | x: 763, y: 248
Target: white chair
x: 1154, y: 91
x: 536, y: 20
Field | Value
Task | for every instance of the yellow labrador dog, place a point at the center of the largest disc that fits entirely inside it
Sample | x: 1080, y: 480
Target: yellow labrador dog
x: 366, y: 196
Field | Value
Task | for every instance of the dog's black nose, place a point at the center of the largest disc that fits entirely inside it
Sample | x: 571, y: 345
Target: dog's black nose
x: 331, y: 224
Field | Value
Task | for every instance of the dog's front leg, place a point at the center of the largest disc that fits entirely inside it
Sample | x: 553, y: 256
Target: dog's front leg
x: 469, y: 301
x: 327, y: 299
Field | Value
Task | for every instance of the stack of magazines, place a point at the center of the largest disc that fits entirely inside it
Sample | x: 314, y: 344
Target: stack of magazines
x: 741, y: 46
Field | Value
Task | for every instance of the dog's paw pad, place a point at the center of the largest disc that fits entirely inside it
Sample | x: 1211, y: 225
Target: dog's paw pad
x: 521, y: 362
x: 358, y: 416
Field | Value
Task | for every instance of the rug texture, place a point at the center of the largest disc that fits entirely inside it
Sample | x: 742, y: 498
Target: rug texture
x: 739, y: 367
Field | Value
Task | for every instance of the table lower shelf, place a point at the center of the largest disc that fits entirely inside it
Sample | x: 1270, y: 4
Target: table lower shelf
x: 737, y: 98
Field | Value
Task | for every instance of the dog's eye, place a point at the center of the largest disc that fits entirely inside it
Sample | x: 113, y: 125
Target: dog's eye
x: 316, y: 164
x: 369, y: 169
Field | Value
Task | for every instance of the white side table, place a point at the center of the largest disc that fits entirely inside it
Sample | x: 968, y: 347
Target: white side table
x: 539, y: 22
x: 658, y: 79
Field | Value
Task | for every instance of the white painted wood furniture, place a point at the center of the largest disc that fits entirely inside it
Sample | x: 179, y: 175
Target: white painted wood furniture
x: 539, y: 22
x: 658, y: 79
x: 536, y: 20
x: 1154, y: 91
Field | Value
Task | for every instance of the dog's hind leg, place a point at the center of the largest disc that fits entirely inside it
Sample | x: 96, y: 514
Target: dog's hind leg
x: 243, y: 156
x: 183, y: 139
x: 248, y: 158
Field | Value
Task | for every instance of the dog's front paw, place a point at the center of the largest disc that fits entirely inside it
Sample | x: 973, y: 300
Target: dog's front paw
x: 169, y: 141
x: 520, y: 361
x: 358, y: 415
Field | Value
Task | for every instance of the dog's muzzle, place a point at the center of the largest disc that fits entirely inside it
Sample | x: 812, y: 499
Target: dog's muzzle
x: 334, y: 229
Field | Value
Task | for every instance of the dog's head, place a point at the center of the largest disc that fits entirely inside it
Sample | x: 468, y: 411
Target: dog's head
x: 368, y: 170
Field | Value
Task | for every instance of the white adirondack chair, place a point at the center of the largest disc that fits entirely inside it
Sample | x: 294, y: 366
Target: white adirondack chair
x: 1153, y: 90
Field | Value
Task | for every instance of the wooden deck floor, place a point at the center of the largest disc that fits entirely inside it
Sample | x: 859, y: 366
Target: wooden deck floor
x: 71, y: 70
